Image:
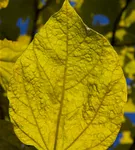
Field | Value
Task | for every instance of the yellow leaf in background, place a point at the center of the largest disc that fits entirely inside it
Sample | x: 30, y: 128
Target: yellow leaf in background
x: 68, y: 89
x: 125, y: 54
x: 24, y: 39
x: 126, y: 138
x: 3, y: 3
x: 130, y: 69
x: 9, y: 52
x: 129, y: 107
x: 120, y: 33
x: 127, y: 21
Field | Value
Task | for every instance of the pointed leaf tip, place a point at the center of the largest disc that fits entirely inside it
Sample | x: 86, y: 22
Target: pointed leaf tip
x: 66, y: 3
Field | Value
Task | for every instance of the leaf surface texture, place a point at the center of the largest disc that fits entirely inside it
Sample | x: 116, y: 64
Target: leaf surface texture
x: 68, y: 89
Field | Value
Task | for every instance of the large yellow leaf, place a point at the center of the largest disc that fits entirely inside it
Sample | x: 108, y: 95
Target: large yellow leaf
x: 9, y: 52
x: 3, y: 3
x: 68, y: 90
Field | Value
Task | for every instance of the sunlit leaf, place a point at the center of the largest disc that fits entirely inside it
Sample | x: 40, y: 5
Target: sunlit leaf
x: 129, y: 107
x: 126, y: 54
x: 9, y: 52
x: 24, y: 39
x: 127, y: 21
x: 130, y: 68
x: 68, y: 89
x: 128, y: 15
x: 126, y: 138
x: 120, y: 33
x: 3, y: 3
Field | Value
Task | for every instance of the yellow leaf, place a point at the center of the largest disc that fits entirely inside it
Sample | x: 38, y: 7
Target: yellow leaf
x: 125, y: 54
x: 68, y: 89
x: 127, y: 21
x: 24, y: 39
x: 130, y: 68
x: 120, y: 34
x: 129, y: 107
x: 9, y: 52
x: 3, y: 3
x: 126, y: 138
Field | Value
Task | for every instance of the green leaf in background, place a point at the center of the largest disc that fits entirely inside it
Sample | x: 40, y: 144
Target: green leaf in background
x: 68, y: 89
x: 9, y: 53
x: 3, y: 3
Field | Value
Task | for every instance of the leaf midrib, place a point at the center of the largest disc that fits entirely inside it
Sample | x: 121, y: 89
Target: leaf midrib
x: 63, y: 87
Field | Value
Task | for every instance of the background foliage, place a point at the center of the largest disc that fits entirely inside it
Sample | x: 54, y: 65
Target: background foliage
x: 115, y: 19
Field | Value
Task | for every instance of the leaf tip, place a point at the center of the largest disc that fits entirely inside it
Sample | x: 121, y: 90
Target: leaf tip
x: 66, y: 2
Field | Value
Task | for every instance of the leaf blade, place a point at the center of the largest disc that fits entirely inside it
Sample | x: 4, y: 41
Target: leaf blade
x: 70, y: 80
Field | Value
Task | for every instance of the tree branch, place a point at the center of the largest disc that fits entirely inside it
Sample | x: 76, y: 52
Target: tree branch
x: 116, y: 23
x: 37, y: 13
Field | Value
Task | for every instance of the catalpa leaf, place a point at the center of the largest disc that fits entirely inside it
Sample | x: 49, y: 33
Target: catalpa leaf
x: 68, y: 89
x: 9, y: 53
x: 3, y: 3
